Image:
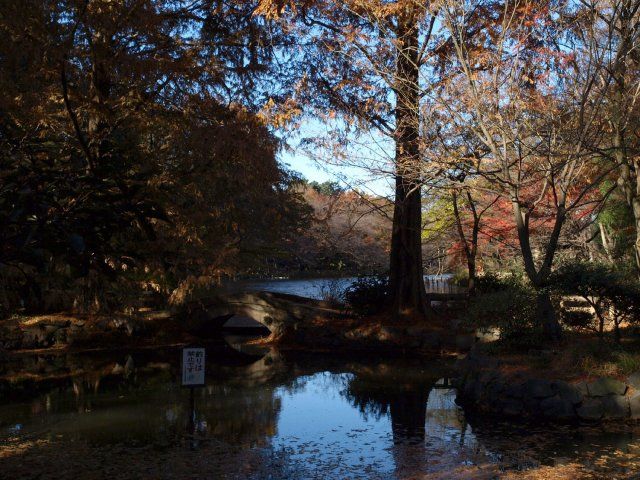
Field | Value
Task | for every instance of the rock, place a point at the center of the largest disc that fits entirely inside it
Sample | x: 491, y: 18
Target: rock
x: 582, y: 388
x: 606, y: 386
x: 634, y: 406
x: 567, y: 392
x: 615, y: 406
x: 634, y: 380
x: 557, y: 407
x: 591, y: 409
x: 539, y: 388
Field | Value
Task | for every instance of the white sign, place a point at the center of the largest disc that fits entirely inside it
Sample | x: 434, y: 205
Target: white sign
x: 193, y: 366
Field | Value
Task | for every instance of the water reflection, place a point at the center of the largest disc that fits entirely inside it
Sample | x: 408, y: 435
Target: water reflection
x: 267, y: 414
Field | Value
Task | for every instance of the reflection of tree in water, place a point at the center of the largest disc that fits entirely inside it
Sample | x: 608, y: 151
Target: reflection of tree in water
x: 138, y: 402
x: 404, y: 402
x: 238, y: 416
x: 424, y: 418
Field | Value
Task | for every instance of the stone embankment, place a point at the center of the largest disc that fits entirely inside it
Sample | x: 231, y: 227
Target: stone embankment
x: 484, y: 387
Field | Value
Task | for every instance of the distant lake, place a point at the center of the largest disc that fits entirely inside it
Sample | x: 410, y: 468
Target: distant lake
x: 317, y: 287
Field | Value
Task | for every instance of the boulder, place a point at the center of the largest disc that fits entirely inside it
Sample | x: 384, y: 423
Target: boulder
x: 634, y: 380
x: 606, y: 386
x: 591, y: 409
x: 567, y: 392
x: 582, y: 388
x: 557, y: 407
x: 615, y: 406
x: 634, y: 406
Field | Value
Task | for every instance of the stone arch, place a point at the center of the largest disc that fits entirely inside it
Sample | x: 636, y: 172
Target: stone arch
x: 280, y: 313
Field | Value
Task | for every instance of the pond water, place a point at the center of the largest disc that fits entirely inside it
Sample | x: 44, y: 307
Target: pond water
x: 267, y: 414
x: 320, y: 288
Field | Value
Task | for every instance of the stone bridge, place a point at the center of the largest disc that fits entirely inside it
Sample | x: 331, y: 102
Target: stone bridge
x: 281, y: 313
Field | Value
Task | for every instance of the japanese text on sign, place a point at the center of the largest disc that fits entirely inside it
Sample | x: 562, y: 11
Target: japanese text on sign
x: 193, y: 366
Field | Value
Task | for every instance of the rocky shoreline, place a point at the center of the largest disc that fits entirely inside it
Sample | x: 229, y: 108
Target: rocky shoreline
x: 484, y: 387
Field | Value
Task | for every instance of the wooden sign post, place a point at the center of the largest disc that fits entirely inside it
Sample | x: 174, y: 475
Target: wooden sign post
x: 192, y: 376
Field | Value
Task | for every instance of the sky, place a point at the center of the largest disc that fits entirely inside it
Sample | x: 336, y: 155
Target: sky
x: 351, y: 172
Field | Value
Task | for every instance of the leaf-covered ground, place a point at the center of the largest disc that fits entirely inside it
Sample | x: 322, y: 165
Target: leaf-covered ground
x: 55, y: 458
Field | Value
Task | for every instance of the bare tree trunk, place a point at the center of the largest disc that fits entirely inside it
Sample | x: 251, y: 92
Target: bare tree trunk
x: 606, y: 242
x: 406, y: 276
x: 470, y: 251
x: 545, y: 313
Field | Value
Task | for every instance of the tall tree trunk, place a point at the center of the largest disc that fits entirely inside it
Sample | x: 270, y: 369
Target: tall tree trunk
x: 406, y: 278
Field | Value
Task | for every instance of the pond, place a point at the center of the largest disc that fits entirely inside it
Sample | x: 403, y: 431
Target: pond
x: 321, y: 287
x: 268, y: 414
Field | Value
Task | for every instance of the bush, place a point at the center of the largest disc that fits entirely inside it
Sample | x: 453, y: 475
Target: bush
x: 332, y: 291
x: 614, y: 296
x: 368, y: 295
x: 460, y: 278
x: 509, y: 305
